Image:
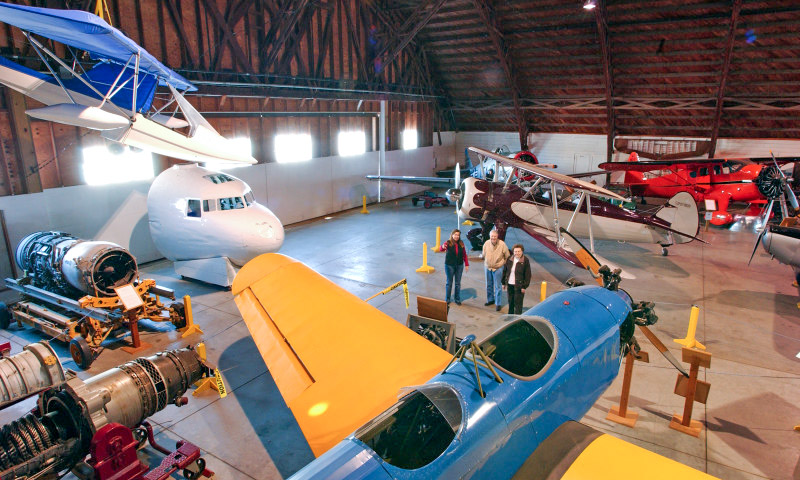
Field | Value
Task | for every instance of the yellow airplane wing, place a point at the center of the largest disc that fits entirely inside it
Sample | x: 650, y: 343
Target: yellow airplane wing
x: 577, y: 452
x: 337, y: 361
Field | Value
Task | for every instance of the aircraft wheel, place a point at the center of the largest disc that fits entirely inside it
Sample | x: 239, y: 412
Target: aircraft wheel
x: 664, y: 251
x: 5, y: 316
x: 81, y: 352
x: 427, y: 204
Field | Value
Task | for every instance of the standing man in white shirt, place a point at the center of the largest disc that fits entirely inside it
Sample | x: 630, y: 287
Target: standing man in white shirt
x: 516, y: 278
x: 495, y: 254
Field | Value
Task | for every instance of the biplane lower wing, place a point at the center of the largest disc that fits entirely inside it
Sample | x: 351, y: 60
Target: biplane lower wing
x: 337, y: 361
x: 575, y: 451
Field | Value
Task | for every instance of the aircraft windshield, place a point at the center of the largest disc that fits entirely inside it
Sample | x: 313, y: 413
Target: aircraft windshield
x: 249, y: 198
x: 231, y: 203
x: 415, y: 430
x: 523, y: 348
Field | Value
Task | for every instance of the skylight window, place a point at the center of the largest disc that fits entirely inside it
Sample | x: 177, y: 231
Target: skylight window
x: 292, y: 148
x: 352, y: 143
x: 101, y: 166
x: 409, y: 139
x: 241, y: 146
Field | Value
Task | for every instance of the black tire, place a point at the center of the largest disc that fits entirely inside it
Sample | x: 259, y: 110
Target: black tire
x: 81, y: 352
x: 200, y: 464
x: 664, y: 251
x: 427, y: 204
x: 179, y: 309
x: 5, y: 316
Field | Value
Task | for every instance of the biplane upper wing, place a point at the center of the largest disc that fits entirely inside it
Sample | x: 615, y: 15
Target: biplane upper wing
x: 560, y: 178
x: 89, y: 32
x: 649, y: 166
x: 337, y: 361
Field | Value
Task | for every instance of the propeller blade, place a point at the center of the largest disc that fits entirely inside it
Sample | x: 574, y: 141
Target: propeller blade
x: 758, y: 240
x: 664, y: 351
x: 457, y: 180
x: 787, y: 190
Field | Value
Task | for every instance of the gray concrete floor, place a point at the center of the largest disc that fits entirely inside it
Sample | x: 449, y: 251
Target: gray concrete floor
x: 749, y: 321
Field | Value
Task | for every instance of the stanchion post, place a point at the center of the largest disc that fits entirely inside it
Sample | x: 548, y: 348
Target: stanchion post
x: 435, y: 246
x: 425, y: 268
x: 619, y: 413
x: 543, y: 292
x: 191, y: 327
x: 364, y: 204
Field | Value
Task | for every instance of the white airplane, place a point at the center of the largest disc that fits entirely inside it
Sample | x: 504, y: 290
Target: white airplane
x: 209, y: 223
x: 115, y: 95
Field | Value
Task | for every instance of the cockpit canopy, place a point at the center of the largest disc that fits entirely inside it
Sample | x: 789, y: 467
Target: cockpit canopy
x: 417, y: 429
x: 524, y: 348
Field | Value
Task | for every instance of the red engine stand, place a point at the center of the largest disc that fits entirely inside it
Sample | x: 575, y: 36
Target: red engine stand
x: 113, y: 456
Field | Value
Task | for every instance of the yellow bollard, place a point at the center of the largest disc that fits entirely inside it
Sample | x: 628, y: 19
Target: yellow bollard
x: 364, y: 204
x: 690, y: 341
x: 435, y: 247
x: 543, y: 292
x: 190, y: 328
x: 425, y: 268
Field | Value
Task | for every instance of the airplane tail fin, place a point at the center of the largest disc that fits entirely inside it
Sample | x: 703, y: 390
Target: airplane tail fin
x: 467, y: 161
x: 680, y: 212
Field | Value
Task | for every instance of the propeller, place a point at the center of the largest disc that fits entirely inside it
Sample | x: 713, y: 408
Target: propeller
x: 763, y: 229
x: 454, y: 194
x: 787, y: 190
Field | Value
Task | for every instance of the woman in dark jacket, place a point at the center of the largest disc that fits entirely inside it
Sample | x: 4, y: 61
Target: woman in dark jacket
x: 455, y: 262
x: 516, y: 278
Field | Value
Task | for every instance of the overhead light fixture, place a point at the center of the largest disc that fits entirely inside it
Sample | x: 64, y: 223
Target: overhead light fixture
x: 589, y: 4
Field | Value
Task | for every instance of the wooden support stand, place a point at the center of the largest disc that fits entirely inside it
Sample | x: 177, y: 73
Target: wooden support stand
x: 138, y: 345
x: 693, y: 390
x: 619, y: 413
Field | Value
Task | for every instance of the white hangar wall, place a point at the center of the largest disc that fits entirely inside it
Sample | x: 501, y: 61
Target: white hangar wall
x: 293, y: 191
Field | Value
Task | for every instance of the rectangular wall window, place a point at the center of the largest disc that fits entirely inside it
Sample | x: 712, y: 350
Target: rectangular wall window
x: 409, y: 139
x: 290, y: 148
x: 352, y: 143
x: 103, y: 166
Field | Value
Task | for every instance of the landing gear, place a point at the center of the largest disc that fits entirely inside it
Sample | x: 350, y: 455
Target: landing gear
x: 664, y: 251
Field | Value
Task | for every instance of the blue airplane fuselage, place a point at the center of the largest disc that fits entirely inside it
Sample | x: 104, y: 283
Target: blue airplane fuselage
x: 499, y: 432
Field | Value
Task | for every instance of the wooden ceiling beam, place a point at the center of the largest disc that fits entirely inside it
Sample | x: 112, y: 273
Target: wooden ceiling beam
x: 227, y: 35
x: 409, y: 30
x: 601, y: 18
x: 489, y: 18
x: 177, y: 20
x: 723, y: 77
x: 279, y: 31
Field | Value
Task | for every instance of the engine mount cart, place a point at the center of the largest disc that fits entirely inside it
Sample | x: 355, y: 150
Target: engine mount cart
x: 87, y: 322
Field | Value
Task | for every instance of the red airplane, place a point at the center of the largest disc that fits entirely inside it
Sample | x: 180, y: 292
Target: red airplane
x: 721, y: 180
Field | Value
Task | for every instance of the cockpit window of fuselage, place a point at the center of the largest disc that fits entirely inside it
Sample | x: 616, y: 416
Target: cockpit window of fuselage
x: 193, y: 208
x: 218, y: 178
x: 231, y: 203
x: 523, y: 348
x: 249, y: 198
x: 415, y: 430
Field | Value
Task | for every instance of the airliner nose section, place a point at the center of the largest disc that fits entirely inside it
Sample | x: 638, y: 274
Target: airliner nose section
x: 262, y: 232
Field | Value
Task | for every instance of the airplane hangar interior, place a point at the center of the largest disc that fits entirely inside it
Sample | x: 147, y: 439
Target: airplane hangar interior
x: 399, y: 239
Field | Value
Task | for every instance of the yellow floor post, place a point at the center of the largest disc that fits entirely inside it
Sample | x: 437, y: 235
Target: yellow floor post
x: 364, y: 204
x: 435, y: 246
x: 191, y: 327
x: 690, y: 341
x: 543, y: 292
x: 425, y: 268
x: 208, y: 383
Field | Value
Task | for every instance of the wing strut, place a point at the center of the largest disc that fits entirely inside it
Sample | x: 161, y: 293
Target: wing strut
x: 589, y: 221
x: 555, y: 213
x: 575, y: 213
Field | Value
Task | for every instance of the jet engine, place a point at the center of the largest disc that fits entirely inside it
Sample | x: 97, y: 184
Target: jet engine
x: 66, y: 265
x: 58, y: 433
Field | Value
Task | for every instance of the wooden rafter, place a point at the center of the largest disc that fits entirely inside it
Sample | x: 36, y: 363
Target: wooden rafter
x: 292, y: 46
x: 723, y: 78
x: 232, y: 18
x: 228, y: 36
x: 279, y: 31
x: 408, y: 31
x: 489, y: 17
x: 601, y: 18
x: 353, y: 40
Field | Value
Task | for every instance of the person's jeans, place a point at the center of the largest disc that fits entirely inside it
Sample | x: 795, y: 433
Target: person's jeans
x: 453, y: 272
x: 494, y: 285
x: 515, y: 296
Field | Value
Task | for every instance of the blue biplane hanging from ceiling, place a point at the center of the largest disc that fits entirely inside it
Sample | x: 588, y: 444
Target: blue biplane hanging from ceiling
x: 115, y: 95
